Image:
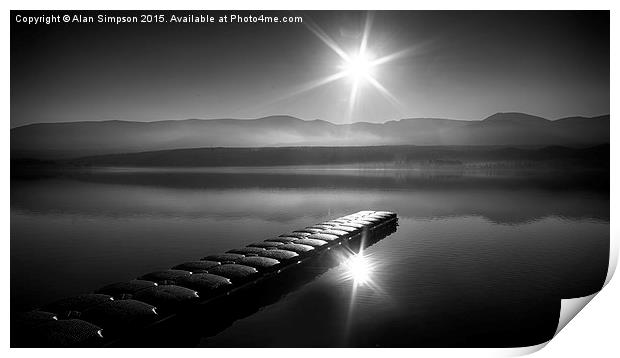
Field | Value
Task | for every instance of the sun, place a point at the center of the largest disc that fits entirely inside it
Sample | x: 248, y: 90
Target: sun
x: 358, y: 67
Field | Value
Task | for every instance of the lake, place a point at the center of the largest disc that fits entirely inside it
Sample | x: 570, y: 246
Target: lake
x: 478, y: 259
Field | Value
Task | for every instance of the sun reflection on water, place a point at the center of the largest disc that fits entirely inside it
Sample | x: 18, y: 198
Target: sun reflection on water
x: 358, y: 268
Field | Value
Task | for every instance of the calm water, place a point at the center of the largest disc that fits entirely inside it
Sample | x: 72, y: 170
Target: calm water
x: 477, y: 260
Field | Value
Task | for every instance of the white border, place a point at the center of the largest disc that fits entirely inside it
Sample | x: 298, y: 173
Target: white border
x: 594, y: 331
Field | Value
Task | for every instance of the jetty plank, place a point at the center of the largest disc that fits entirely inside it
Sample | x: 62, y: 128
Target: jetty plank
x: 120, y: 309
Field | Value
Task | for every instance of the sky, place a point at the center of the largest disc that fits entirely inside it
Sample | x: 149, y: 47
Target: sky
x: 460, y: 65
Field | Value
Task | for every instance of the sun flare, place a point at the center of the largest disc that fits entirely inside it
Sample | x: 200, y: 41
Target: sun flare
x: 358, y: 67
x: 358, y: 269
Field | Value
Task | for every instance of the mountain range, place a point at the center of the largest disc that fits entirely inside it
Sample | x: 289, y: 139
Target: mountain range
x: 78, y: 139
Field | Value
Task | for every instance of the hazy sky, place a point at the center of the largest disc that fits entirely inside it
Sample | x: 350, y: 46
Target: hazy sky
x: 463, y: 65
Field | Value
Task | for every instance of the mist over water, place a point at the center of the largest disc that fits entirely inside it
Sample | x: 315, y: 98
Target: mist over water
x: 479, y: 259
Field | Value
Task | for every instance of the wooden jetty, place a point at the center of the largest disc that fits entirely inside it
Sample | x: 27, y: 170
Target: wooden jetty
x: 218, y: 288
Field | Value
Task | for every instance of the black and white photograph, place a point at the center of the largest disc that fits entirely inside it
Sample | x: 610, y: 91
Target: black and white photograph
x: 306, y: 178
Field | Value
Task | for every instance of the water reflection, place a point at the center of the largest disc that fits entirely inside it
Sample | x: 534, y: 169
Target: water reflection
x: 359, y: 269
x: 477, y: 260
x: 284, y: 196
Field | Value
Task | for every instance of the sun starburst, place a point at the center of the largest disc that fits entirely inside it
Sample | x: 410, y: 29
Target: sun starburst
x: 358, y: 67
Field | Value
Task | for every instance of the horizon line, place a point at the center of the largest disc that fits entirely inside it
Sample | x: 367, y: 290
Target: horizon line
x: 300, y: 119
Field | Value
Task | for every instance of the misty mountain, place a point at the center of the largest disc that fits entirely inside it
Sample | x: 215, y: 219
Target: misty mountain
x: 77, y: 139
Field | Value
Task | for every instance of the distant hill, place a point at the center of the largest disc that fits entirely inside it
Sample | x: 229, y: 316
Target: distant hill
x: 78, y: 139
x: 515, y: 118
